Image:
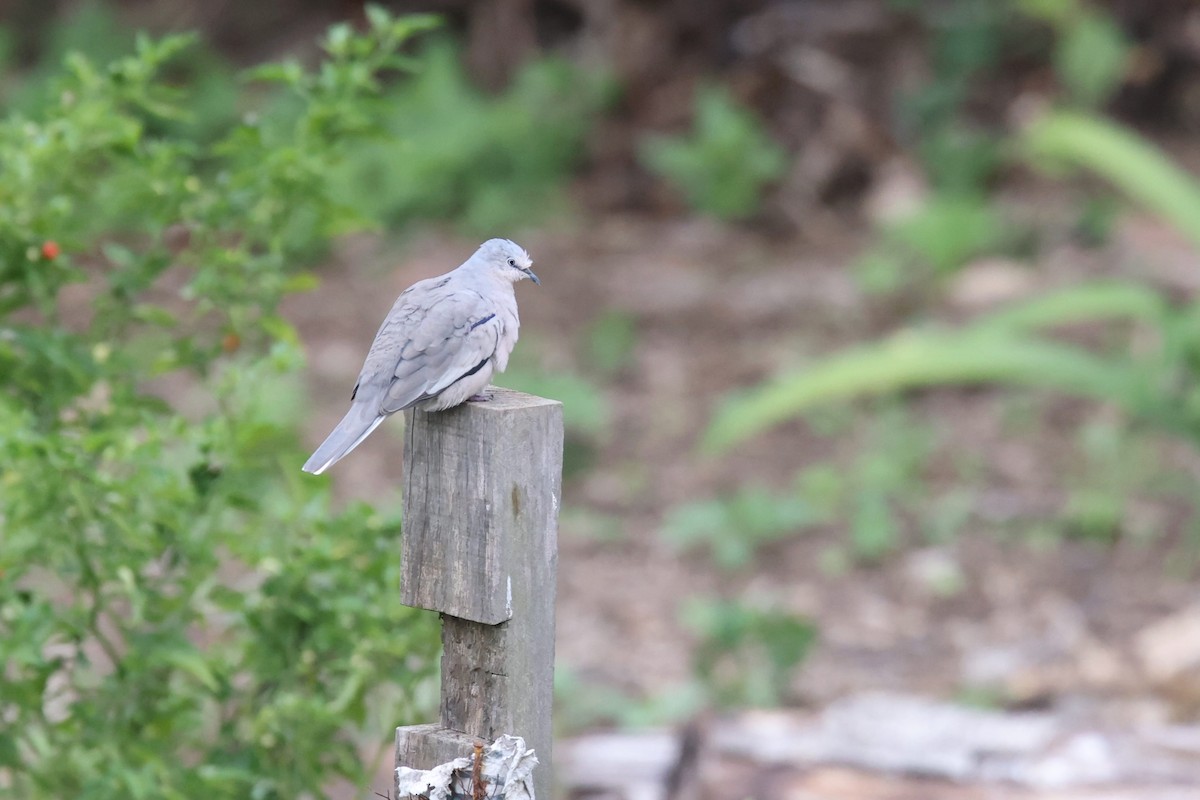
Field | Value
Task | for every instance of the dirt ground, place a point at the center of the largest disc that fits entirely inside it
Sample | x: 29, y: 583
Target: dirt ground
x: 1111, y: 628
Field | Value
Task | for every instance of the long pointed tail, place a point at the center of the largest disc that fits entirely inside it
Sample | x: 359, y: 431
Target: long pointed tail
x: 349, y: 433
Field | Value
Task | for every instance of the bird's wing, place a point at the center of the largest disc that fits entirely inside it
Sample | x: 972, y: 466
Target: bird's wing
x: 435, y: 335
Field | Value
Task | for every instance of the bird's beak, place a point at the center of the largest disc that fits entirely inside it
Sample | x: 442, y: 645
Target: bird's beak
x: 532, y: 277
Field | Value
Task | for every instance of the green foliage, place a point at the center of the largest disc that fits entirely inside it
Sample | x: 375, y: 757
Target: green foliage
x: 967, y: 38
x: 747, y: 652
x: 872, y: 495
x: 582, y: 704
x: 734, y: 527
x: 610, y: 342
x: 1091, y: 52
x: 181, y: 614
x: 585, y: 411
x: 94, y: 31
x: 585, y: 408
x: 723, y: 167
x: 1096, y: 506
x: 1133, y: 165
x: 948, y: 231
x: 1116, y: 464
x: 883, y: 485
x: 997, y: 349
x: 961, y: 158
x: 91, y: 30
x: 934, y: 241
x: 447, y: 151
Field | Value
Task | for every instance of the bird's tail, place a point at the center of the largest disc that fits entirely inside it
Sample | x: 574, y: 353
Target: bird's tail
x: 357, y: 425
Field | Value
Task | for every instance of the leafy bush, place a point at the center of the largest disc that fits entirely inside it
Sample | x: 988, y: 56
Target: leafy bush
x: 449, y: 152
x: 92, y: 29
x: 181, y: 615
x: 724, y: 166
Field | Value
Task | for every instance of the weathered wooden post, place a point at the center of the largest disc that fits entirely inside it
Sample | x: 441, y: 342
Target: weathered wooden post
x: 480, y: 545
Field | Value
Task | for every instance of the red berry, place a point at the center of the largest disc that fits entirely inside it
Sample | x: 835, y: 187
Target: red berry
x: 50, y: 250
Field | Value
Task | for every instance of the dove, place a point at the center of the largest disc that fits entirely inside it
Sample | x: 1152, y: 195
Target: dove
x: 438, y: 346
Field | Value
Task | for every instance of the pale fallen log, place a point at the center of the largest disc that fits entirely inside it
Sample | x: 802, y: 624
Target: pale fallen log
x: 883, y: 745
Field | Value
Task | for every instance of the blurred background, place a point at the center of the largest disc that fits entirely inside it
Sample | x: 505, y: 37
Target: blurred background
x: 876, y: 325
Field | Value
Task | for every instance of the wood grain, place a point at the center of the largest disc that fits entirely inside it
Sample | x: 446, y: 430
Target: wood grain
x: 480, y: 545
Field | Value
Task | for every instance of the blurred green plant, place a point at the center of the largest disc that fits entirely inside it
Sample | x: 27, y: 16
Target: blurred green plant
x: 934, y: 241
x: 1062, y: 141
x: 583, y: 703
x: 726, y: 163
x: 873, y: 496
x: 967, y: 39
x: 181, y: 614
x: 1096, y: 504
x: 961, y: 157
x: 1003, y: 348
x: 733, y: 528
x: 1091, y: 52
x: 447, y: 151
x: 586, y: 412
x: 610, y: 341
x: 93, y: 30
x: 885, y: 484
x: 747, y: 651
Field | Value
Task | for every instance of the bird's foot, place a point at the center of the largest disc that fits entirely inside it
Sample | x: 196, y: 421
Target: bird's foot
x: 482, y: 397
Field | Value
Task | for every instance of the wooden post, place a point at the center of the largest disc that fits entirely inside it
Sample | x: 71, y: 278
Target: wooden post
x: 481, y: 495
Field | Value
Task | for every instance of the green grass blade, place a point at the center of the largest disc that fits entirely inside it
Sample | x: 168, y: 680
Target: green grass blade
x: 915, y: 360
x: 1090, y: 302
x: 1122, y: 157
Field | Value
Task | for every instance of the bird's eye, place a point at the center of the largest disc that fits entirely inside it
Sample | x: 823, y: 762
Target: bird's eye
x: 512, y: 263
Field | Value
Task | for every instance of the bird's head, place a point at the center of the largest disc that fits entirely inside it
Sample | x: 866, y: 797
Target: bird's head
x: 507, y: 259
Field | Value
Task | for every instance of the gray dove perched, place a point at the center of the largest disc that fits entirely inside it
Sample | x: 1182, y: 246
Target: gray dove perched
x: 437, y: 347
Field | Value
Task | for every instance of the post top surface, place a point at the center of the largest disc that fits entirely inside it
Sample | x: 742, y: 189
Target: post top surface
x: 508, y: 399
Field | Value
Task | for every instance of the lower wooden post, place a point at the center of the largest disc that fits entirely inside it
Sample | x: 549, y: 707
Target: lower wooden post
x: 481, y: 496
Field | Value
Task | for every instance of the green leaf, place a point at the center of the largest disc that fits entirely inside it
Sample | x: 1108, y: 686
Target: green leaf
x: 1092, y: 302
x: 913, y: 360
x: 193, y: 664
x: 338, y: 39
x: 378, y: 16
x: 949, y: 230
x: 288, y: 72
x: 1091, y: 57
x: 301, y: 282
x: 1122, y: 157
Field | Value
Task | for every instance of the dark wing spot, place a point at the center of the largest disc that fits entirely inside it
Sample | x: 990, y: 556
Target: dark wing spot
x: 354, y: 394
x: 477, y: 323
x: 442, y: 282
